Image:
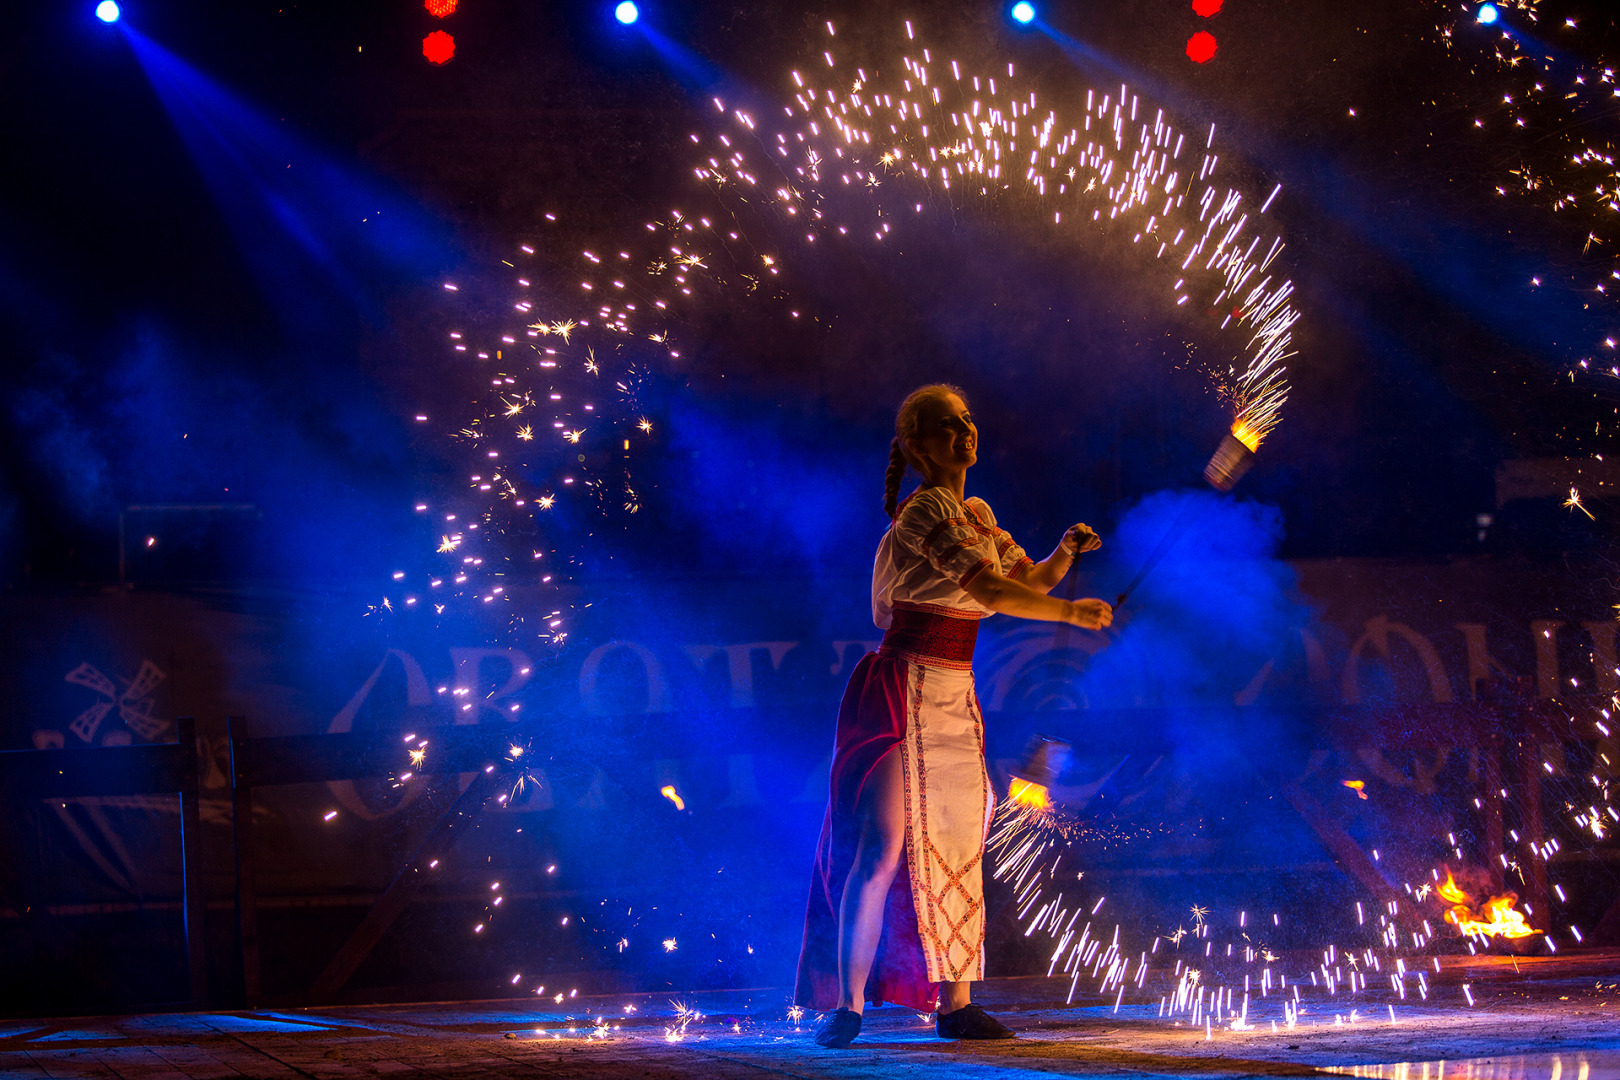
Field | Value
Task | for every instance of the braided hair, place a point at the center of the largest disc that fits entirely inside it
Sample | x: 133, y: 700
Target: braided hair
x: 905, y: 427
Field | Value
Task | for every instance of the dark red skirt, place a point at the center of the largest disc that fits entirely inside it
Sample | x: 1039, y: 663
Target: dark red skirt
x: 871, y: 723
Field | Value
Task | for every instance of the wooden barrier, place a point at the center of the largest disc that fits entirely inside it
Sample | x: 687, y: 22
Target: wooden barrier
x: 155, y: 769
x: 480, y: 753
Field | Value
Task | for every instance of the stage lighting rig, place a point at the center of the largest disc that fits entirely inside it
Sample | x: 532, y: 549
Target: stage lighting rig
x: 627, y: 13
x: 1487, y: 14
x: 1023, y: 12
x: 107, y: 11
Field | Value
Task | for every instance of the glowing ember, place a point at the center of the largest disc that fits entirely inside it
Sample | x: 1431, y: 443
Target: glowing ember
x: 668, y: 791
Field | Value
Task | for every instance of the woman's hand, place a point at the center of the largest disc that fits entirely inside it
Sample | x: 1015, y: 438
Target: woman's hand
x: 1091, y: 614
x: 1081, y: 539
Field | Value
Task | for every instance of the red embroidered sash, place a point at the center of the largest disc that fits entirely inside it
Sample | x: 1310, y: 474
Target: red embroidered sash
x: 931, y: 638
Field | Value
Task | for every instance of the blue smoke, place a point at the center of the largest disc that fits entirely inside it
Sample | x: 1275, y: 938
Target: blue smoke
x: 62, y: 449
x: 163, y: 420
x: 1209, y: 616
x: 771, y: 491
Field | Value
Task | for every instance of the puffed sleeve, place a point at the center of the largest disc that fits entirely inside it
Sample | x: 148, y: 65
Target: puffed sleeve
x: 1015, y: 561
x: 1012, y: 559
x: 937, y: 527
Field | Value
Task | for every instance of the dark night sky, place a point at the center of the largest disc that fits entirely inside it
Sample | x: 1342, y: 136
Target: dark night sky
x: 154, y: 354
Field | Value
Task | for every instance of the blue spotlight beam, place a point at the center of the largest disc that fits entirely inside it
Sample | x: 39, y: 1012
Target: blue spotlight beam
x: 314, y: 231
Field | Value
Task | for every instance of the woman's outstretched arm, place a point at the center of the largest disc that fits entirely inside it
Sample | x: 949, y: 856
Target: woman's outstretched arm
x: 1044, y: 575
x: 1008, y: 597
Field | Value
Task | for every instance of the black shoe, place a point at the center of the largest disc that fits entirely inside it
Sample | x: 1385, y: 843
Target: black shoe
x: 971, y: 1022
x: 838, y: 1029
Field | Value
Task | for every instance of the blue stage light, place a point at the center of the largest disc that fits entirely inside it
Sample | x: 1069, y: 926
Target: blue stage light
x: 107, y: 11
x: 1487, y: 14
x: 626, y: 13
x: 1023, y: 12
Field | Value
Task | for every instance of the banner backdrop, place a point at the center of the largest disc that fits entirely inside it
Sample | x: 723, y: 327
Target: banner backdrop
x: 723, y: 693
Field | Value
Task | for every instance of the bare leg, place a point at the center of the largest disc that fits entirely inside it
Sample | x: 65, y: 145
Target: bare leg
x: 881, y: 818
x: 954, y: 995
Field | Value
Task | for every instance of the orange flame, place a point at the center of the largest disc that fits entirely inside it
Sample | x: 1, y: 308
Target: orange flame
x: 1498, y: 918
x: 1029, y: 793
x: 1246, y: 435
x: 1450, y: 893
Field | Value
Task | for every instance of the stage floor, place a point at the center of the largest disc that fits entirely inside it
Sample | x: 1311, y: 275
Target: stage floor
x: 1549, y: 1018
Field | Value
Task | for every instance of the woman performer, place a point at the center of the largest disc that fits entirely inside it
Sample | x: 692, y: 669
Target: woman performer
x: 908, y: 775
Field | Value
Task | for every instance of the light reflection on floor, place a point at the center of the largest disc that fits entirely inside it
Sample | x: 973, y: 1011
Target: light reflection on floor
x: 1591, y: 1065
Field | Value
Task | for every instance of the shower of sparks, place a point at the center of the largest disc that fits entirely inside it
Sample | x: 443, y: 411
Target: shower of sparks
x: 920, y: 130
x: 1220, y: 974
x: 540, y: 376
x: 1536, y: 100
x: 841, y: 164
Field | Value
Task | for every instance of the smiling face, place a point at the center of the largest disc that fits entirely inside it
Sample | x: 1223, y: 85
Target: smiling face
x: 946, y: 440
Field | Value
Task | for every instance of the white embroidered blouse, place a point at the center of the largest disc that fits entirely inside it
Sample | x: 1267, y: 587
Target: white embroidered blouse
x: 936, y: 545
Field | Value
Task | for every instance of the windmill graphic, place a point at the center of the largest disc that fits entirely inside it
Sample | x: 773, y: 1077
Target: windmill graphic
x: 134, y: 703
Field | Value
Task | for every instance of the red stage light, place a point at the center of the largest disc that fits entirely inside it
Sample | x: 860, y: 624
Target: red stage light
x: 440, y: 8
x: 438, y: 47
x: 1206, y: 8
x: 1201, y: 47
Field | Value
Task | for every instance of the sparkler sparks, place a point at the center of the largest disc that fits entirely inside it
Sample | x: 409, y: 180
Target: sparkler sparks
x: 1574, y: 503
x: 1543, y: 112
x: 923, y: 131
x: 851, y: 157
x: 685, y: 1016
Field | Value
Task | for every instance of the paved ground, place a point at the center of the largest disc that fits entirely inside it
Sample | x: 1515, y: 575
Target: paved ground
x: 1549, y: 1018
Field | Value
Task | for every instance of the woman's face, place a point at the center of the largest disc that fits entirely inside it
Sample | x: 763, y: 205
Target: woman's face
x: 946, y: 438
